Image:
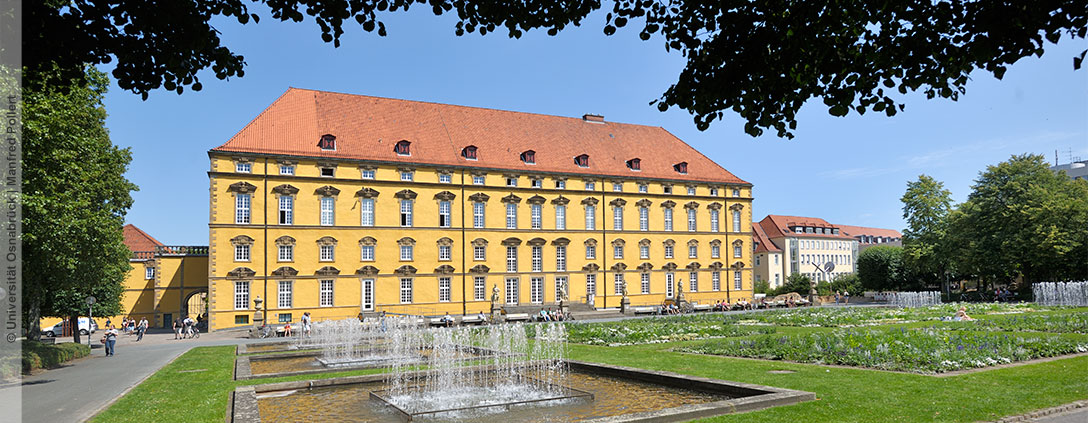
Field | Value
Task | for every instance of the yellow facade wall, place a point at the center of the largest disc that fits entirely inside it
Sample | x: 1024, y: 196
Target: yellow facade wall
x: 426, y: 233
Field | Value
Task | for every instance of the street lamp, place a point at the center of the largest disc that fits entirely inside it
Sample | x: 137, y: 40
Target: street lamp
x: 90, y: 317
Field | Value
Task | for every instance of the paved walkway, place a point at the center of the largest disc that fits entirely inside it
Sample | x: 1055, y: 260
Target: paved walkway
x: 79, y: 390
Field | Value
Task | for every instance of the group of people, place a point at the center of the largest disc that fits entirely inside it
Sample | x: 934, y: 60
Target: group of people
x: 306, y: 326
x: 844, y: 295
x: 670, y: 308
x: 550, y: 315
x: 185, y: 327
x: 1002, y: 295
x: 131, y: 327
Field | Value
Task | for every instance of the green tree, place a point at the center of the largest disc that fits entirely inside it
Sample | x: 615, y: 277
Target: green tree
x: 880, y: 268
x: 1023, y: 220
x: 926, y: 205
x: 796, y: 282
x: 760, y: 59
x: 75, y: 197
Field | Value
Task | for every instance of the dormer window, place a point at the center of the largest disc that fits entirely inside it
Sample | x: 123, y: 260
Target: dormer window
x: 469, y: 152
x: 681, y: 167
x: 402, y: 148
x: 328, y: 142
x: 634, y: 164
x: 529, y: 157
x: 582, y: 160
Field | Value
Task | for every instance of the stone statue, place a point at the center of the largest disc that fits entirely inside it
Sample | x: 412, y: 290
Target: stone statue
x: 679, y: 290
x: 623, y: 285
x: 494, y: 296
x: 563, y: 293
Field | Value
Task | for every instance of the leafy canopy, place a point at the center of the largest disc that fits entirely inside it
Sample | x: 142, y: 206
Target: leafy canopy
x: 761, y: 59
x: 926, y: 205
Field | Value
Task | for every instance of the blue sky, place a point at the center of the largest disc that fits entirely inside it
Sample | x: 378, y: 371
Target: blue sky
x: 849, y: 170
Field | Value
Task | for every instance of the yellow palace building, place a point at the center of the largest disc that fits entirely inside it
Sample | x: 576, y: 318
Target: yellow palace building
x: 336, y: 204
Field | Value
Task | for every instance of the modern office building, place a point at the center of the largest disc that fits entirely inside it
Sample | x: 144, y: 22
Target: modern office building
x: 337, y: 204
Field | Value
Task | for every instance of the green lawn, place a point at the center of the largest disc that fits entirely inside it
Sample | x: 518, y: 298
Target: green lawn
x: 844, y: 394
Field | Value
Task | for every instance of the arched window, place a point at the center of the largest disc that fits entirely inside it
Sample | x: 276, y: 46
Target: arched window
x: 327, y: 142
x: 681, y: 167
x: 469, y: 152
x: 528, y: 157
x: 634, y: 164
x: 403, y: 148
x: 582, y: 160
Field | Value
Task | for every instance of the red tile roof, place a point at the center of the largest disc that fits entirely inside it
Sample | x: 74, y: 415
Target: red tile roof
x: 854, y: 231
x: 765, y: 243
x: 367, y: 128
x: 138, y: 240
x: 777, y: 226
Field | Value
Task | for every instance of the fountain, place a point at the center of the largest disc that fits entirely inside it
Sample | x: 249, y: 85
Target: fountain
x: 474, y: 374
x: 914, y: 299
x: 1061, y: 293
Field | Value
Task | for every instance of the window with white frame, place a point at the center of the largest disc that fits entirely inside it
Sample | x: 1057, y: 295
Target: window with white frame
x: 715, y: 251
x: 325, y: 293
x: 479, y: 285
x: 644, y: 278
x: 405, y: 290
x: 560, y: 184
x: 693, y: 251
x: 535, y: 217
x: 326, y: 252
x: 617, y: 251
x: 511, y: 182
x: 328, y: 211
x: 366, y: 173
x: 736, y: 192
x: 737, y: 280
x: 241, y: 295
x: 445, y: 178
x: 591, y: 283
x: 511, y: 258
x: 511, y: 216
x: 512, y: 290
x: 479, y: 252
x: 241, y: 208
x: 643, y: 251
x: 149, y: 272
x: 691, y: 220
x: 668, y: 252
x: 328, y: 172
x: 241, y: 252
x: 736, y: 220
x: 561, y: 258
x: 590, y: 186
x: 538, y: 258
x: 406, y: 213
x: 286, y: 253
x: 444, y: 252
x: 670, y: 284
x: 287, y: 210
x: 716, y: 281
x: 713, y: 192
x: 243, y: 167
x: 477, y: 180
x: 591, y: 252
x: 366, y: 212
x: 617, y: 187
x: 737, y: 250
x: 591, y: 217
x: 643, y: 188
x: 406, y: 252
x: 444, y: 214
x: 668, y: 219
x: 287, y: 169
x: 444, y: 289
x: 691, y: 190
x: 536, y: 289
x: 366, y: 253
x: 477, y: 215
x: 286, y: 296
x: 617, y: 283
x: 667, y: 189
x: 643, y: 218
x: 693, y: 281
x: 407, y: 176
x: 560, y: 217
x: 536, y: 183
x: 713, y: 221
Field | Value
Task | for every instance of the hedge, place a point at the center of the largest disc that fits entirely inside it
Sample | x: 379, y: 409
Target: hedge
x: 37, y: 355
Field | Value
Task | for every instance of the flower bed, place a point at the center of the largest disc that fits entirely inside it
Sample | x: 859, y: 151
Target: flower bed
x: 1054, y: 323
x: 927, y: 350
x: 872, y: 316
x: 656, y: 330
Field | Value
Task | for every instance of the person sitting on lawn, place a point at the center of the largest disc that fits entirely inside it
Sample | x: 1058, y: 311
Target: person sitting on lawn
x: 962, y: 314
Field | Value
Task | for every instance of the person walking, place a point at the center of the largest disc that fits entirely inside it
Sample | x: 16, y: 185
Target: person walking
x: 846, y: 297
x: 306, y: 324
x: 189, y: 323
x: 140, y: 328
x: 179, y: 326
x: 109, y: 339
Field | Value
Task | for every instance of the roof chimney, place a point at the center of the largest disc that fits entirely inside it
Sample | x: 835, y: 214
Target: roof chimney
x: 589, y: 117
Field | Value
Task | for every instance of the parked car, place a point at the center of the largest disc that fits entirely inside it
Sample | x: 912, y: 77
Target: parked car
x: 86, y: 326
